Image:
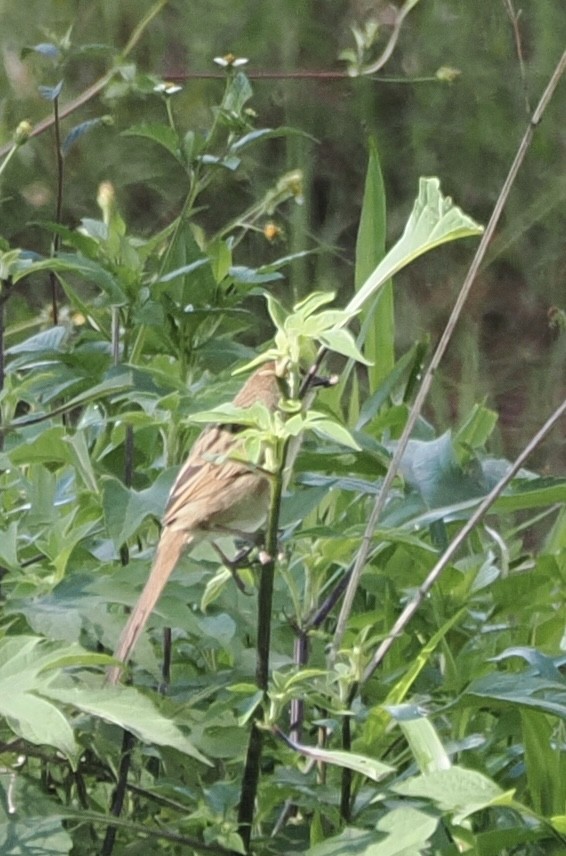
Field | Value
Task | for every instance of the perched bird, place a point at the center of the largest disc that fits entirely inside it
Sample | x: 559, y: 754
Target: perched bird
x: 213, y: 494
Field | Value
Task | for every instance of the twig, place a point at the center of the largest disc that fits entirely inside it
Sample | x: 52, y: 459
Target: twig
x: 428, y: 377
x: 392, y: 41
x: 514, y: 18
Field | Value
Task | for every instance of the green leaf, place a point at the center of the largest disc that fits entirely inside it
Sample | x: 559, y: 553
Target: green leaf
x: 131, y: 710
x: 276, y: 311
x: 378, y: 323
x: 522, y: 689
x: 32, y: 718
x: 342, y: 342
x: 474, y: 431
x: 310, y: 304
x: 434, y: 220
x: 422, y: 737
x: 369, y: 767
x: 8, y: 548
x: 457, y: 790
x: 80, y: 130
x: 125, y: 509
x: 238, y: 94
x: 331, y: 429
x: 86, y: 268
x: 403, y: 831
x: 266, y: 134
x: 159, y: 133
x: 182, y: 271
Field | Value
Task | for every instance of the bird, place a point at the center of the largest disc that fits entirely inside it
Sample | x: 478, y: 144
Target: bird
x: 214, y: 494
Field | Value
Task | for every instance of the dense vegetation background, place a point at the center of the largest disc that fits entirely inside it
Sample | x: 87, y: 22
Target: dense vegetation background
x: 462, y: 725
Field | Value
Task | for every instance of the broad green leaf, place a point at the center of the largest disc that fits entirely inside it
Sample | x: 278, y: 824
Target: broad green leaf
x: 32, y: 718
x: 458, y: 791
x: 422, y: 737
x: 89, y: 270
x: 48, y: 341
x: 334, y: 431
x: 342, y: 342
x: 125, y: 509
x: 523, y: 689
x: 129, y: 709
x: 403, y: 831
x: 161, y: 134
x: 434, y: 220
x: 238, y: 94
x: 431, y: 467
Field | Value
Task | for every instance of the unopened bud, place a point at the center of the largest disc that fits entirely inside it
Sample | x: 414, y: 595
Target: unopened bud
x: 23, y: 132
x: 106, y: 199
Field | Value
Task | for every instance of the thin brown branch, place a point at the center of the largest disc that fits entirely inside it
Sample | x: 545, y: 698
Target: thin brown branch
x: 514, y: 18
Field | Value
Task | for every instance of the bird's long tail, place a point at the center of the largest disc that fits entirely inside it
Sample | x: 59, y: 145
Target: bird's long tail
x: 171, y: 544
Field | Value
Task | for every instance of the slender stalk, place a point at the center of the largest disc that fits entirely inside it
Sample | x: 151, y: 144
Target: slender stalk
x: 250, y: 779
x: 514, y: 18
x: 119, y: 793
x: 59, y: 206
x: 128, y: 740
x: 393, y: 469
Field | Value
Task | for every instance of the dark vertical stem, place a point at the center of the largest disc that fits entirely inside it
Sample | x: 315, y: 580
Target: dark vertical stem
x: 128, y: 739
x: 346, y: 781
x: 119, y: 793
x: 346, y: 786
x: 166, y: 664
x: 252, y: 766
x: 300, y: 658
x: 59, y: 208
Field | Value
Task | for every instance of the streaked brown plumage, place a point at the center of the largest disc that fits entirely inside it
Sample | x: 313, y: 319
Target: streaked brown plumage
x: 223, y: 496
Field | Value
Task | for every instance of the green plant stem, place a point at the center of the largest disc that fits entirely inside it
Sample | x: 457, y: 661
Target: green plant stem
x: 250, y: 778
x: 9, y: 150
x: 393, y: 469
x: 128, y: 739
